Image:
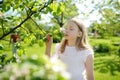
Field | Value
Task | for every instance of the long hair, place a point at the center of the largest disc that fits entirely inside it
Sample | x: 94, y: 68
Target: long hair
x: 81, y: 41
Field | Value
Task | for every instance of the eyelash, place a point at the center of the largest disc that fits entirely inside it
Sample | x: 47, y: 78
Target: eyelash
x: 68, y: 29
x: 71, y: 29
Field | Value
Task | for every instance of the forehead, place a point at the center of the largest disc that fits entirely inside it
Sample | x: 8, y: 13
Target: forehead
x: 70, y: 24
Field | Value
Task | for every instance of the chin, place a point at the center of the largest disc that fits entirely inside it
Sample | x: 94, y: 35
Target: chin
x: 66, y: 38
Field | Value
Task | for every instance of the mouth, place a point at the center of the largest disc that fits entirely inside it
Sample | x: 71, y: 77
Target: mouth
x: 66, y: 35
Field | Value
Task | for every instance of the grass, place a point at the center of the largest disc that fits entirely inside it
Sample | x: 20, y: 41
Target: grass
x: 30, y: 50
x: 100, y: 62
x: 37, y: 50
x: 105, y: 66
x: 106, y: 76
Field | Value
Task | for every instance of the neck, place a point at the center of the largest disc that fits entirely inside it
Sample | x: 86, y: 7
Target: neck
x: 71, y: 42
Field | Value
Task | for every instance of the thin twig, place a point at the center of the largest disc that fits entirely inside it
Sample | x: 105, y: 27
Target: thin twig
x: 28, y: 17
x: 24, y: 29
x: 38, y: 26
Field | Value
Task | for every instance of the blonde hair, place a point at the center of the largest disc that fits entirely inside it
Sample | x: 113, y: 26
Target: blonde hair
x: 81, y: 41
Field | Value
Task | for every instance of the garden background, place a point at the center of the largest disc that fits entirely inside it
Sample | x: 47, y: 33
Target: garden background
x: 33, y: 19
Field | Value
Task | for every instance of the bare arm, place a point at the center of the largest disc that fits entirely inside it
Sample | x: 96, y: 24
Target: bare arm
x: 89, y: 68
x: 48, y: 45
x: 48, y: 51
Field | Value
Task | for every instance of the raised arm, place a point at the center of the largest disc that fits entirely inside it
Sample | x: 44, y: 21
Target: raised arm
x: 49, y: 42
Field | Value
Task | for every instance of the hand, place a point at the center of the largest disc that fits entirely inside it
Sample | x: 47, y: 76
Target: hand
x: 49, y: 40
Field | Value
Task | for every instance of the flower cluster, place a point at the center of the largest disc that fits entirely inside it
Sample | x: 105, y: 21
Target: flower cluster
x: 35, y: 68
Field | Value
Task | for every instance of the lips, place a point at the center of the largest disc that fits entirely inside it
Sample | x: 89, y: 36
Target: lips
x: 66, y: 34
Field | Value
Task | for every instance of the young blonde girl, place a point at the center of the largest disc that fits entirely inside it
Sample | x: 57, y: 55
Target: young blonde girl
x: 74, y: 50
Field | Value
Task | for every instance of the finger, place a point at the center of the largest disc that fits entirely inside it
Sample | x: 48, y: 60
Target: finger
x: 49, y: 37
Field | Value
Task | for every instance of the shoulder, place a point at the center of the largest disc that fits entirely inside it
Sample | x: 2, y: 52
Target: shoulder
x: 89, y: 49
x: 86, y: 52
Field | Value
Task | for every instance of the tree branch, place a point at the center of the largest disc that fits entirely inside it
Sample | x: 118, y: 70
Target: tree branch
x: 59, y: 20
x: 14, y: 28
x: 29, y: 8
x: 28, y: 17
x: 38, y: 26
x: 24, y: 29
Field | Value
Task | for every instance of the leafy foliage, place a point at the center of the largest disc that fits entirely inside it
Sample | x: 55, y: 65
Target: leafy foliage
x: 34, y: 68
x: 25, y: 16
x: 109, y: 22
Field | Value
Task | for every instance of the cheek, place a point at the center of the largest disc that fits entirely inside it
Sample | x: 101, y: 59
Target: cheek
x: 73, y: 34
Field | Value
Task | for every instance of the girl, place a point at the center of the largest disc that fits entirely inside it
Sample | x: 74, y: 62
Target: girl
x: 74, y: 50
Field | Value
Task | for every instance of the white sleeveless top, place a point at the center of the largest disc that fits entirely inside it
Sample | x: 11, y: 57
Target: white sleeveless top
x: 74, y: 61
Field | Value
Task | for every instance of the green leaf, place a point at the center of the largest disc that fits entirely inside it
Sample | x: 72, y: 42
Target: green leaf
x: 36, y: 15
x: 1, y: 47
x: 34, y: 9
x: 48, y: 9
x: 53, y: 6
x: 26, y: 40
x: 62, y: 7
x: 41, y: 43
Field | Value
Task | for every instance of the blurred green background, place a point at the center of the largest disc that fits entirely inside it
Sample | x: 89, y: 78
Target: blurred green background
x: 33, y: 19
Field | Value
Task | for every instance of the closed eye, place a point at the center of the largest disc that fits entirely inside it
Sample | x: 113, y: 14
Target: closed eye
x: 71, y: 29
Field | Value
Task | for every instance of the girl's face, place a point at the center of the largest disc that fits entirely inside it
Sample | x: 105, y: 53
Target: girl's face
x: 71, y: 31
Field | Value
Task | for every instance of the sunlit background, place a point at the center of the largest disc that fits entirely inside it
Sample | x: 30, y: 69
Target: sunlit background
x: 34, y: 19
